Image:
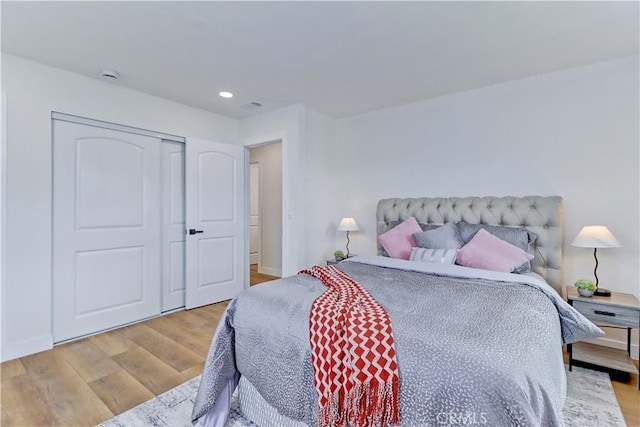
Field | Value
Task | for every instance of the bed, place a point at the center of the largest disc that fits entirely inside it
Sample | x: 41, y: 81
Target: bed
x: 473, y: 346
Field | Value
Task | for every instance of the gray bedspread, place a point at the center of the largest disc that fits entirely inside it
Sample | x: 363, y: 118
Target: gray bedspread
x: 470, y: 351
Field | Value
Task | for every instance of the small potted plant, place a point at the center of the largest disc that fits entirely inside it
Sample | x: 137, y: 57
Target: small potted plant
x: 339, y: 255
x: 585, y: 287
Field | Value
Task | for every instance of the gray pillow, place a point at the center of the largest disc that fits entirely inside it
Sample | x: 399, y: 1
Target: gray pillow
x: 517, y: 236
x: 444, y: 237
x: 425, y: 227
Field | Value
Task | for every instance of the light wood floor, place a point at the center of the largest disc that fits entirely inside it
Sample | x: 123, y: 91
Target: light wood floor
x: 626, y: 388
x: 90, y: 380
x: 259, y: 277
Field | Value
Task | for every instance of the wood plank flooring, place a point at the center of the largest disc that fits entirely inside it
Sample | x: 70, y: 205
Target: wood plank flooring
x: 85, y: 382
x: 259, y: 277
x: 88, y: 381
x: 626, y: 389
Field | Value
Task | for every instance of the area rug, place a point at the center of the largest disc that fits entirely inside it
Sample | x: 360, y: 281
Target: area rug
x: 591, y: 402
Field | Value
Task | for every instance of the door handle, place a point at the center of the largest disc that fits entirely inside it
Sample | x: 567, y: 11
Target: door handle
x: 194, y: 231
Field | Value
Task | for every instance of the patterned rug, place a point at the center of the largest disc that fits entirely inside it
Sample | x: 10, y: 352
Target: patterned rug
x: 591, y: 402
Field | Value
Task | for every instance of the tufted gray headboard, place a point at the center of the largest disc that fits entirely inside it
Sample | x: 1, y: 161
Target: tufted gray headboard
x: 542, y: 215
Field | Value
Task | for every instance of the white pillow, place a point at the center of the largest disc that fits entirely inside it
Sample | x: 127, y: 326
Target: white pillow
x: 438, y: 256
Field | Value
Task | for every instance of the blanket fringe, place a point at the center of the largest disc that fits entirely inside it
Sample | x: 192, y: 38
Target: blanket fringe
x: 366, y: 405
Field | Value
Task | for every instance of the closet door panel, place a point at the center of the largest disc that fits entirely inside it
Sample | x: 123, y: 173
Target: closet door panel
x: 173, y: 226
x: 106, y: 223
x: 108, y: 196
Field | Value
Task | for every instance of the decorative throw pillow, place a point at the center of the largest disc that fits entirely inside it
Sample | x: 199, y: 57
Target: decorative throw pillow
x: 438, y: 256
x: 488, y: 252
x: 399, y: 240
x: 444, y: 237
x: 423, y: 226
x: 517, y: 236
x: 393, y: 224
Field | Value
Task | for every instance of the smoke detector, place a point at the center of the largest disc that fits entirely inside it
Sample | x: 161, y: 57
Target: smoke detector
x: 110, y: 74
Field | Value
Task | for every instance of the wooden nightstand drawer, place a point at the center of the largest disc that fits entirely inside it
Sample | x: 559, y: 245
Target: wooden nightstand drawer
x: 621, y: 316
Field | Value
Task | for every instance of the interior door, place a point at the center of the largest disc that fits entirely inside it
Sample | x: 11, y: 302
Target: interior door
x: 173, y: 225
x: 216, y: 252
x: 106, y: 240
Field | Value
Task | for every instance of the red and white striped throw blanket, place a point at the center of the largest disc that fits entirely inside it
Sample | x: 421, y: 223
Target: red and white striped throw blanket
x: 353, y: 355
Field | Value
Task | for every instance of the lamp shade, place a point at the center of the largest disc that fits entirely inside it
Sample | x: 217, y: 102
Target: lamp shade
x: 595, y: 236
x: 348, y: 224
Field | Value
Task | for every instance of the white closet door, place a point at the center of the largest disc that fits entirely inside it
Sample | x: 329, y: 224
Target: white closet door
x: 173, y: 226
x: 215, y: 204
x: 106, y: 241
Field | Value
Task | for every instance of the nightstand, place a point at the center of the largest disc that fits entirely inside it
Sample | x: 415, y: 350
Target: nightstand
x: 332, y: 262
x: 620, y: 311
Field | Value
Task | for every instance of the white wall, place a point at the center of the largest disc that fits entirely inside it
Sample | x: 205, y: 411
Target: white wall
x: 269, y: 157
x: 323, y: 187
x: 288, y: 125
x: 572, y: 133
x: 34, y: 91
x: 3, y: 216
x: 309, y: 180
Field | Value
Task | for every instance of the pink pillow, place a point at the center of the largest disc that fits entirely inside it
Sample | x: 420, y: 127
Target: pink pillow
x: 488, y: 252
x: 399, y: 240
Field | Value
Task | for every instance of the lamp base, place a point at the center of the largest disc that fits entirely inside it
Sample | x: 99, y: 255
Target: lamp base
x: 601, y: 292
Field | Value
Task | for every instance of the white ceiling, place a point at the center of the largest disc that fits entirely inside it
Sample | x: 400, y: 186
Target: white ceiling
x: 338, y: 58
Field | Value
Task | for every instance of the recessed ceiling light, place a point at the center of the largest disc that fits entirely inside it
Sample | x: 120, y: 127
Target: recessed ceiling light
x: 226, y: 94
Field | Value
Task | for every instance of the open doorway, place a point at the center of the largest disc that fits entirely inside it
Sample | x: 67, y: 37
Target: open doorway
x: 265, y: 207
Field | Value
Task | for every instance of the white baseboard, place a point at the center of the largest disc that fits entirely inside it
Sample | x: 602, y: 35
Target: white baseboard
x: 27, y: 347
x: 607, y: 342
x: 270, y: 271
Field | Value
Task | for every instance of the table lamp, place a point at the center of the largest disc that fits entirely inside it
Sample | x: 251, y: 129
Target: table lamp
x: 348, y: 224
x: 596, y: 236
